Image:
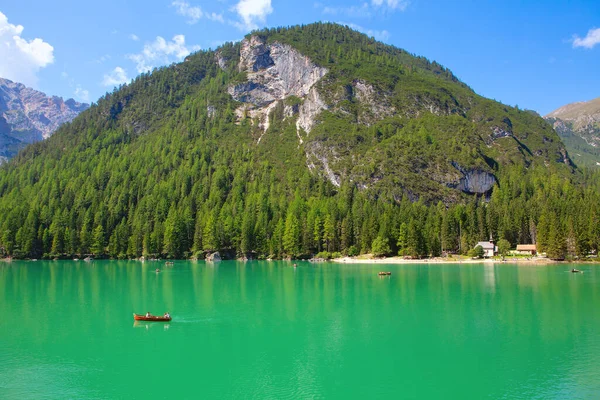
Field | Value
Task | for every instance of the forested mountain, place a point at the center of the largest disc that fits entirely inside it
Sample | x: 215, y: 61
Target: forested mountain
x: 578, y: 125
x: 296, y: 141
x: 28, y: 116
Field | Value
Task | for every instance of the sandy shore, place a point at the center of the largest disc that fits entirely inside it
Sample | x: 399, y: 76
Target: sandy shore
x: 439, y: 260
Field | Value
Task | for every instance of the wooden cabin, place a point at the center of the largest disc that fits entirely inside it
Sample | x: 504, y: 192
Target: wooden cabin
x: 526, y: 249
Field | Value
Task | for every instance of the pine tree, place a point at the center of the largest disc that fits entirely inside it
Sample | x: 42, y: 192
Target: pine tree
x: 403, y: 240
x: 291, y: 235
x: 98, y: 241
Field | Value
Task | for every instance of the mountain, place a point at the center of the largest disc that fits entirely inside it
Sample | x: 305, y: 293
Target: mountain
x: 578, y: 124
x: 293, y: 142
x: 28, y: 116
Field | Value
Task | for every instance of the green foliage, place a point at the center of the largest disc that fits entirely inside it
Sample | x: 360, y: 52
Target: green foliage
x: 503, y: 247
x: 161, y: 167
x: 352, y: 251
x: 380, y: 247
x: 477, y: 252
x: 326, y: 255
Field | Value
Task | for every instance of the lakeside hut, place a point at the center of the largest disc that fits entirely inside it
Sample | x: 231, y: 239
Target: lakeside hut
x: 526, y: 249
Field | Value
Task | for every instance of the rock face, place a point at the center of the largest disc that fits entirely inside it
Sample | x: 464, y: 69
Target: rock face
x: 28, y: 116
x: 276, y: 72
x: 213, y: 257
x: 473, y: 181
x: 578, y: 124
x: 393, y: 132
x: 377, y: 105
x: 582, y: 119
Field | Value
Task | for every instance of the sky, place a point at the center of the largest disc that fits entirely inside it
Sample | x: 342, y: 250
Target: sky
x: 534, y: 54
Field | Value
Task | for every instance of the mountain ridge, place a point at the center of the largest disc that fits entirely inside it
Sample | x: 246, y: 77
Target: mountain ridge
x: 334, y: 141
x: 28, y: 116
x: 578, y: 124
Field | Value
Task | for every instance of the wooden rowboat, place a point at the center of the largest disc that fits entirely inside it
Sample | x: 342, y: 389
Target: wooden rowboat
x: 154, y: 318
x: 384, y: 273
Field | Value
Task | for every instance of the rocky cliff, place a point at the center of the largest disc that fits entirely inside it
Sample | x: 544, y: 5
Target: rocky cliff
x: 318, y: 103
x: 578, y: 124
x: 275, y: 73
x: 28, y: 116
x: 380, y: 129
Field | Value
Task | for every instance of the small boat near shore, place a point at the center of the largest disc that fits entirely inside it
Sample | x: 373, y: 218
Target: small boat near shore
x: 384, y: 273
x: 152, y: 318
x: 576, y: 271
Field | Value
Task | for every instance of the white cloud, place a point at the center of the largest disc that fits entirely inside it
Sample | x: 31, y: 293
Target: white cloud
x: 21, y: 59
x: 379, y: 35
x: 134, y: 37
x: 364, y: 9
x: 194, y: 13
x: 102, y: 59
x: 82, y: 94
x: 79, y: 93
x: 161, y: 52
x: 252, y: 12
x: 352, y: 11
x: 391, y: 4
x: 116, y: 77
x: 183, y: 8
x: 591, y: 40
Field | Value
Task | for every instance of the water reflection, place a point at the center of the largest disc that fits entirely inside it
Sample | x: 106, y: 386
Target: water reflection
x: 490, y: 276
x: 153, y: 325
x: 313, y: 331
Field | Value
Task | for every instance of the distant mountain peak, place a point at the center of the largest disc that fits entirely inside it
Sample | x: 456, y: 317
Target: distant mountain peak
x: 578, y: 124
x: 577, y: 109
x: 28, y: 115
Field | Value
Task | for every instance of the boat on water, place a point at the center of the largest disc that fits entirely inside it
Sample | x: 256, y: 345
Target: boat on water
x: 154, y: 318
x: 386, y: 273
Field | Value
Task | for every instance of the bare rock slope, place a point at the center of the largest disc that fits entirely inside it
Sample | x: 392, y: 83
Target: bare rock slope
x: 28, y: 116
x: 278, y: 81
x: 578, y: 125
x: 582, y: 118
x: 276, y: 72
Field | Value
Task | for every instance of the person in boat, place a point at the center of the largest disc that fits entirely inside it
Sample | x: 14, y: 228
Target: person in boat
x: 148, y: 314
x: 167, y: 315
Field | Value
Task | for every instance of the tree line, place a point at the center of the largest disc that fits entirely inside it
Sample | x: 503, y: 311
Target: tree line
x: 162, y: 167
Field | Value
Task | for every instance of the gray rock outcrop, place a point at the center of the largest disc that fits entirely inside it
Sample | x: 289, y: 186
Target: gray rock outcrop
x: 213, y: 257
x: 377, y: 105
x: 275, y: 72
x: 473, y: 181
x: 581, y: 119
x: 28, y: 116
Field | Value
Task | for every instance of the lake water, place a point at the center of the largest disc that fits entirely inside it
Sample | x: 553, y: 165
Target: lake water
x: 266, y: 330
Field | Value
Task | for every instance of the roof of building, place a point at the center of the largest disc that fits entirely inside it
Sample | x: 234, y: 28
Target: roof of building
x: 486, y: 245
x: 526, y: 247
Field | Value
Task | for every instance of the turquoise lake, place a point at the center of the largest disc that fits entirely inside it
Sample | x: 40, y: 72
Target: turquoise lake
x: 266, y: 330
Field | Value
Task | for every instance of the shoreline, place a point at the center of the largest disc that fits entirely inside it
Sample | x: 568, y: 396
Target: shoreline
x: 369, y: 259
x: 440, y: 260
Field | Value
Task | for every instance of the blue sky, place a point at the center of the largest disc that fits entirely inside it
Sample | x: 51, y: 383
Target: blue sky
x: 535, y: 54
